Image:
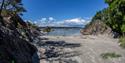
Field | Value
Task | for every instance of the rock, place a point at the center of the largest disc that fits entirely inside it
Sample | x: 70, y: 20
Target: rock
x: 41, y: 52
x: 14, y: 49
x: 43, y: 61
x: 35, y: 58
x: 96, y: 27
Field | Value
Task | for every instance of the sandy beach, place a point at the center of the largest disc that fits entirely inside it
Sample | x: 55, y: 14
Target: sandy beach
x: 86, y: 49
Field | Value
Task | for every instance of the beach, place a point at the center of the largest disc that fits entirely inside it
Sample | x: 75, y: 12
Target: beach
x: 84, y: 49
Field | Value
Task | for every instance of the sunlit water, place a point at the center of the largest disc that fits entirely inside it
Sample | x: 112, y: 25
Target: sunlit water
x: 64, y: 32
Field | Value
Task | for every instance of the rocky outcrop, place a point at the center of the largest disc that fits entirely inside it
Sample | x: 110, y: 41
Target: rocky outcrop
x: 14, y: 46
x: 96, y: 27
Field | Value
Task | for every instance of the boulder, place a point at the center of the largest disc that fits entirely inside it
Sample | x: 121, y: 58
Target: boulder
x: 96, y: 27
x: 14, y: 49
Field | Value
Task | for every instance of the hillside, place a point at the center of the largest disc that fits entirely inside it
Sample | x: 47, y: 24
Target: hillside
x: 96, y: 27
x: 109, y: 20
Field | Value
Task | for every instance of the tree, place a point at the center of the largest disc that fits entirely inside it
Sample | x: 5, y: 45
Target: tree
x: 11, y: 8
x: 1, y: 8
x: 116, y: 12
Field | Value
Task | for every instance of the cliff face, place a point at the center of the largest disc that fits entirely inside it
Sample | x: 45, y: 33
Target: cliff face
x: 14, y: 46
x: 96, y: 27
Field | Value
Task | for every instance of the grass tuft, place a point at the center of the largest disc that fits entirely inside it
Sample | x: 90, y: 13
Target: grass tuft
x: 110, y: 55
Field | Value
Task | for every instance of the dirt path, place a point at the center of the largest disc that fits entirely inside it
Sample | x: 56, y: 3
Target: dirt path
x: 89, y: 50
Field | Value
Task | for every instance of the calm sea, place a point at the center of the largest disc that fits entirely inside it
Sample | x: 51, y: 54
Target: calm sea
x: 65, y: 31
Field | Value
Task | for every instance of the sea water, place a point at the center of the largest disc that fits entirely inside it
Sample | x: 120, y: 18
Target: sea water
x: 65, y: 31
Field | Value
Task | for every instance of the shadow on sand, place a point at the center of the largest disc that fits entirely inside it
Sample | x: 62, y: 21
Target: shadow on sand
x: 60, y: 51
x: 60, y: 44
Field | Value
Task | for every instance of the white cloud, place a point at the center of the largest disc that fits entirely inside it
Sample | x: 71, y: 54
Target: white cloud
x: 68, y: 22
x: 51, y: 18
x: 35, y: 22
x: 43, y: 19
x: 75, y: 21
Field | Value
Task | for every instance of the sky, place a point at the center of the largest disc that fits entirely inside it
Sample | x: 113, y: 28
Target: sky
x: 61, y: 12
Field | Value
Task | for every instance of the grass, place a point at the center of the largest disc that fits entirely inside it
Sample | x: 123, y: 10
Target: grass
x: 110, y: 55
x: 122, y: 41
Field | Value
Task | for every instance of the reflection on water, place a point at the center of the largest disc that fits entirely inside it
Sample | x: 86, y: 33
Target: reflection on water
x: 64, y: 31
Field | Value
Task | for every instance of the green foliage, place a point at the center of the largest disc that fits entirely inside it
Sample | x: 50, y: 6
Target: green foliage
x: 122, y: 42
x: 113, y: 16
x: 5, y: 12
x: 123, y: 27
x: 12, y: 7
x: 109, y: 1
x: 116, y: 15
x: 110, y: 55
x: 31, y: 25
x: 47, y: 29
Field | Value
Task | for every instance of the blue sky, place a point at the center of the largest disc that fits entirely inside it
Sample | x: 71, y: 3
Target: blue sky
x: 61, y: 9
